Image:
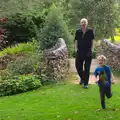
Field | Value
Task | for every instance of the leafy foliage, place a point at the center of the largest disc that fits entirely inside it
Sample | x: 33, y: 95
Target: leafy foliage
x: 116, y: 38
x: 45, y: 80
x: 102, y: 15
x: 21, y: 48
x: 54, y: 28
x: 22, y: 27
x: 3, y: 33
x: 25, y: 65
x: 18, y: 85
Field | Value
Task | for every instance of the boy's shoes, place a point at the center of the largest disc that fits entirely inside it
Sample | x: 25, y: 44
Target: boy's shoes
x: 103, y: 104
x: 85, y: 86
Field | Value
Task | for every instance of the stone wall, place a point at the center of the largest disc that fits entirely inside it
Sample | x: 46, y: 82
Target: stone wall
x: 57, y: 65
x: 112, y: 52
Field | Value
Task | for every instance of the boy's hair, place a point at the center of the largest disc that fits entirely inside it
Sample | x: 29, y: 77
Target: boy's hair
x: 101, y: 57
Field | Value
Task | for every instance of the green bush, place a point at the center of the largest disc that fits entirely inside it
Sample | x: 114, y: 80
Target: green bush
x: 25, y: 65
x: 18, y: 85
x: 23, y: 27
x: 28, y: 47
x: 94, y: 53
x: 5, y: 74
x: 54, y: 28
x: 45, y: 80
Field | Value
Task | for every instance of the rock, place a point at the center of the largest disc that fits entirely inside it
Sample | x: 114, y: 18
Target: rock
x: 112, y: 53
x: 57, y: 65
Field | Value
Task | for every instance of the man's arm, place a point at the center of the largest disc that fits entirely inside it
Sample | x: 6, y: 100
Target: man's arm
x: 92, y: 47
x: 92, y: 37
x: 75, y: 42
x: 75, y: 45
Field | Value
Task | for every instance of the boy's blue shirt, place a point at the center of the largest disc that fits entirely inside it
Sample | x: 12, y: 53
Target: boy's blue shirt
x: 100, y: 71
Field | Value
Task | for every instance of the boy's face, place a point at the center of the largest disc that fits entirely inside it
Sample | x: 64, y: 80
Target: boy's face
x: 101, y: 62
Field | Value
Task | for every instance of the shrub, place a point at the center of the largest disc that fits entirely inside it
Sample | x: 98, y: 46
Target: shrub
x: 22, y: 48
x: 23, y: 27
x: 94, y: 53
x: 20, y: 66
x: 116, y: 37
x: 18, y: 85
x: 5, y: 74
x: 45, y: 80
x: 24, y: 65
x: 3, y: 33
x: 54, y: 28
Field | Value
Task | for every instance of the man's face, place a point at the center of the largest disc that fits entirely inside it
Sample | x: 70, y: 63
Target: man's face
x: 83, y: 24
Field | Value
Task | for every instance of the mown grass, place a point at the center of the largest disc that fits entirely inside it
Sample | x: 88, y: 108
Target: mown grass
x: 64, y: 101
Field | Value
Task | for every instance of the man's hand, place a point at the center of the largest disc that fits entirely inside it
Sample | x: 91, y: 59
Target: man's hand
x: 92, y: 50
x: 76, y: 50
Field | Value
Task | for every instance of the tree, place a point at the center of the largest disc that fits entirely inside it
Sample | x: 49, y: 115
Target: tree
x: 101, y: 14
x: 8, y: 7
x: 54, y: 28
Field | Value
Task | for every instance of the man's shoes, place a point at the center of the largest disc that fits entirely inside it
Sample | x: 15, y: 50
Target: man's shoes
x: 81, y: 82
x: 85, y: 86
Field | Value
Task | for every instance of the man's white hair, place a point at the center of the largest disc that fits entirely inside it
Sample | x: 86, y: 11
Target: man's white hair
x: 84, y: 19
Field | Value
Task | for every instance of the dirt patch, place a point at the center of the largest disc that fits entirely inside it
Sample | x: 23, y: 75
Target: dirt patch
x: 91, y: 79
x: 76, y: 80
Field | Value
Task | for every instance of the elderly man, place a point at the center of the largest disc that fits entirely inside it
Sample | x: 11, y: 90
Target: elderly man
x: 84, y: 47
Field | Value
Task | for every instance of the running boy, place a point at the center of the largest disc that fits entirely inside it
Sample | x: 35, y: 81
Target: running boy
x: 104, y: 78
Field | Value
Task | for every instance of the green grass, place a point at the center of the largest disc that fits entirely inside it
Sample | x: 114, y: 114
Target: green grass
x: 66, y: 101
x: 116, y: 74
x: 20, y: 48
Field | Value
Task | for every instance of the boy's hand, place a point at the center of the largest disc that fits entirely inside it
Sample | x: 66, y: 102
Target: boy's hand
x: 113, y: 82
x: 96, y: 81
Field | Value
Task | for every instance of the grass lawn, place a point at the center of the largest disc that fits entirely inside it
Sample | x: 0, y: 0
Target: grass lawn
x: 66, y: 101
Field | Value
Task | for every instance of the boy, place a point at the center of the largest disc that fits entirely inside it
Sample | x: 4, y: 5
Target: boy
x: 104, y: 78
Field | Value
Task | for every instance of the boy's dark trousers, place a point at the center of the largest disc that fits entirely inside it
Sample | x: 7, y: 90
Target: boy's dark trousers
x: 104, y: 91
x: 81, y: 59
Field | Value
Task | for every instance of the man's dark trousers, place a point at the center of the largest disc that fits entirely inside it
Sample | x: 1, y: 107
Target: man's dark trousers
x: 83, y: 63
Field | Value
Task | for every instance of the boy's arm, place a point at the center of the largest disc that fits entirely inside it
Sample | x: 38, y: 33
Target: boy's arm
x: 112, y: 76
x: 96, y: 77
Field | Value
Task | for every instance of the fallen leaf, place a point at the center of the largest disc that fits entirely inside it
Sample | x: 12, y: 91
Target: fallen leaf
x: 76, y: 112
